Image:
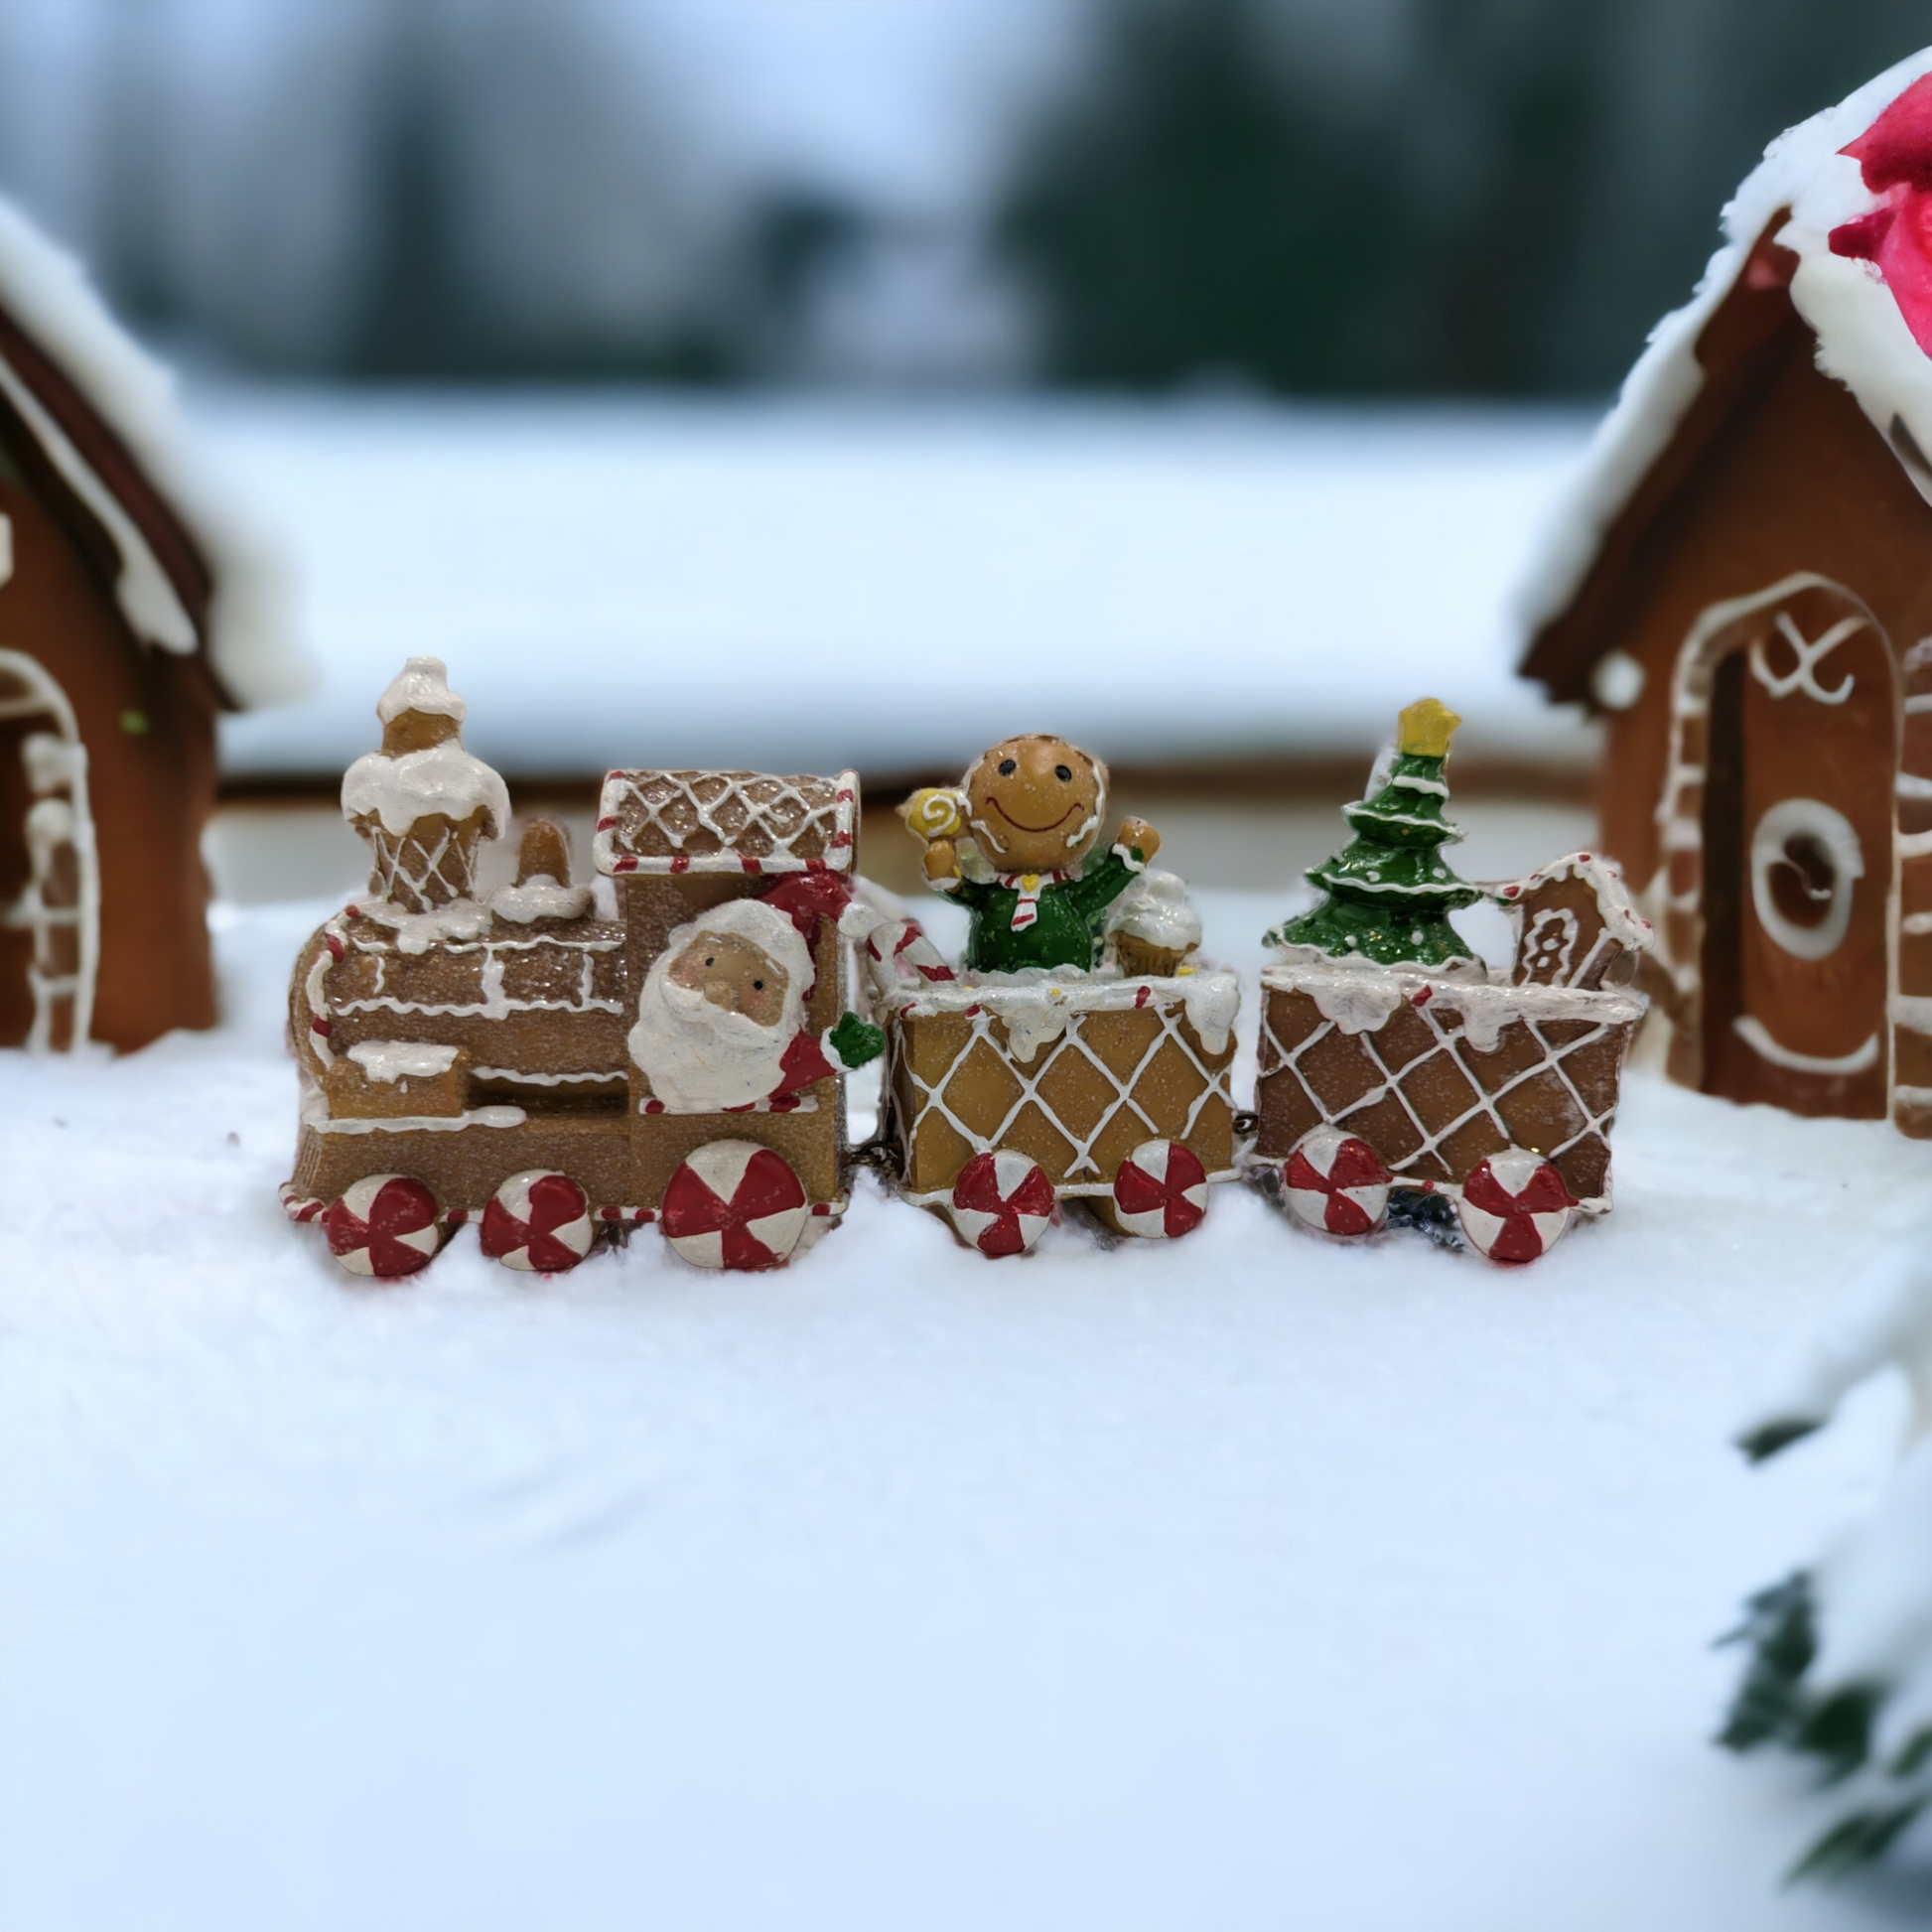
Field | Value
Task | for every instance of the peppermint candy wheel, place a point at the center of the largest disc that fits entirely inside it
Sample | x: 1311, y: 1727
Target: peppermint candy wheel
x: 734, y: 1205
x: 385, y: 1225
x: 1515, y: 1205
x: 1336, y: 1184
x: 1160, y: 1189
x: 1002, y: 1202
x: 537, y: 1220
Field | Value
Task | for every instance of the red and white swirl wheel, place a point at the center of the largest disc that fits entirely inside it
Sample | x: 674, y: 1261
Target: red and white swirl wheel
x: 1336, y: 1184
x: 1002, y: 1202
x: 734, y: 1205
x: 385, y: 1225
x: 539, y: 1221
x: 1160, y: 1189
x: 1515, y: 1205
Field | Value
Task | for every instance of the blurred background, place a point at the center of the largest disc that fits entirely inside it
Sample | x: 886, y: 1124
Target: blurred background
x: 804, y: 382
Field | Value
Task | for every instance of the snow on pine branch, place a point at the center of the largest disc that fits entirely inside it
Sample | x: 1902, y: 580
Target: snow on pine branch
x: 1840, y: 1655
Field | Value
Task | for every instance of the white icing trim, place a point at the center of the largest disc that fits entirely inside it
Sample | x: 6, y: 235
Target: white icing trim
x: 46, y: 770
x: 416, y: 933
x: 1911, y: 1011
x: 1810, y: 655
x: 1467, y: 996
x: 143, y: 590
x: 1036, y: 1002
x: 1913, y: 845
x: 314, y: 1113
x: 1910, y: 787
x: 1751, y: 1031
x: 618, y: 1077
x: 387, y: 1061
x: 1453, y: 833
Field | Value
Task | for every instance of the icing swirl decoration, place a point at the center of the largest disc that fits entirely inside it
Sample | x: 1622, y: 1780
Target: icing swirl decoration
x: 936, y: 812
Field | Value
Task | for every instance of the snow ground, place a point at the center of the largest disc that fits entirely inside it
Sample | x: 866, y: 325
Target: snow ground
x: 621, y: 579
x: 1251, y: 1584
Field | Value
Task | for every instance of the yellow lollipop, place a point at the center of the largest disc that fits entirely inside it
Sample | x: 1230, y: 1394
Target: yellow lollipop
x: 935, y: 812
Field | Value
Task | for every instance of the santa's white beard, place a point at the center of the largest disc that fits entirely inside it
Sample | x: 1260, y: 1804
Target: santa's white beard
x: 700, y: 1058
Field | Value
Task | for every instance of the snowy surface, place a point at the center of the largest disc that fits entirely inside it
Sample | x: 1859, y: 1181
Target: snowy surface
x: 617, y: 579
x: 1249, y: 1584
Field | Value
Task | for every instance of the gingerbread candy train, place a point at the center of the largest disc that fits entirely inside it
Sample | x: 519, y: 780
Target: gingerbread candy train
x: 561, y: 1072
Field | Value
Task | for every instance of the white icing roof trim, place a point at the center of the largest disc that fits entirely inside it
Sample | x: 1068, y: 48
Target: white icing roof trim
x: 250, y: 647
x: 1863, y: 339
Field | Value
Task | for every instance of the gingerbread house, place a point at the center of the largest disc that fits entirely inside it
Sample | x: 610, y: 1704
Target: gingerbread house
x: 131, y: 614
x: 1739, y: 583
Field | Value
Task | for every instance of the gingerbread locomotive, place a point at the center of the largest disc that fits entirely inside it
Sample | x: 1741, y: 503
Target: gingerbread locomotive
x: 1394, y: 1065
x: 562, y: 1064
x: 554, y: 1073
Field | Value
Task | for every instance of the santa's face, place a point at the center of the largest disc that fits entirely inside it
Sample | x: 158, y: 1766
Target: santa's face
x: 719, y: 1006
x: 735, y: 975
x: 1035, y: 803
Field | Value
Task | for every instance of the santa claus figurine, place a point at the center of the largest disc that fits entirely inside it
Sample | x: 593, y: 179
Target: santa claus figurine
x: 1033, y: 808
x: 720, y: 1017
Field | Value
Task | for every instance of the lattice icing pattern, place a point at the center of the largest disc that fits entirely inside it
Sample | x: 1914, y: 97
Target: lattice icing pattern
x: 1074, y: 1072
x: 1437, y: 1073
x: 726, y: 821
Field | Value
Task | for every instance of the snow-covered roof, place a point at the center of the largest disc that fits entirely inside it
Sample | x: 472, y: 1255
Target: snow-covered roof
x: 1862, y: 336
x: 47, y: 295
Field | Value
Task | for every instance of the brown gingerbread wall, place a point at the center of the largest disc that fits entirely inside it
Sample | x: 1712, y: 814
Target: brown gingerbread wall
x: 1776, y: 471
x: 147, y: 720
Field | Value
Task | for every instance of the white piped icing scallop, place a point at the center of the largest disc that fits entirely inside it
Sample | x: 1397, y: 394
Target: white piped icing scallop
x: 444, y: 779
x: 389, y: 1060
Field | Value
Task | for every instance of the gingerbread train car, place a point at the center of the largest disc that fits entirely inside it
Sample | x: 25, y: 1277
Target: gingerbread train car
x: 1393, y: 1062
x: 563, y: 1062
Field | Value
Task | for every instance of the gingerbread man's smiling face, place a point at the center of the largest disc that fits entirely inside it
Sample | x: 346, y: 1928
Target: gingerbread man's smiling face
x: 734, y: 974
x: 1035, y: 803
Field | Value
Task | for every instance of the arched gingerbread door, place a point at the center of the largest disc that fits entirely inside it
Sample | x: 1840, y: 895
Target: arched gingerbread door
x: 1797, y: 862
x: 50, y: 889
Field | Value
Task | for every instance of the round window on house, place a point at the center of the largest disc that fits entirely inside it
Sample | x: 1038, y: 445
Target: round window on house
x: 1806, y: 864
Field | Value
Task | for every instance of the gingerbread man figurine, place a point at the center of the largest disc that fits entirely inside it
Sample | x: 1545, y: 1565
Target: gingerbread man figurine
x: 1034, y: 808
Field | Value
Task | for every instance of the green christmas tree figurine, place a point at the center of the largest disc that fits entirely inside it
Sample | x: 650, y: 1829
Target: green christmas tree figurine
x: 1389, y: 896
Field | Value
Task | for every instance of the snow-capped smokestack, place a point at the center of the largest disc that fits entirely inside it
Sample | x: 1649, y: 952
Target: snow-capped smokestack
x: 423, y: 802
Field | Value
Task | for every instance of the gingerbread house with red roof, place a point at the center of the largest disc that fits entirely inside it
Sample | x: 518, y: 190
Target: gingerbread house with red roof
x: 1739, y: 583
x: 132, y: 612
